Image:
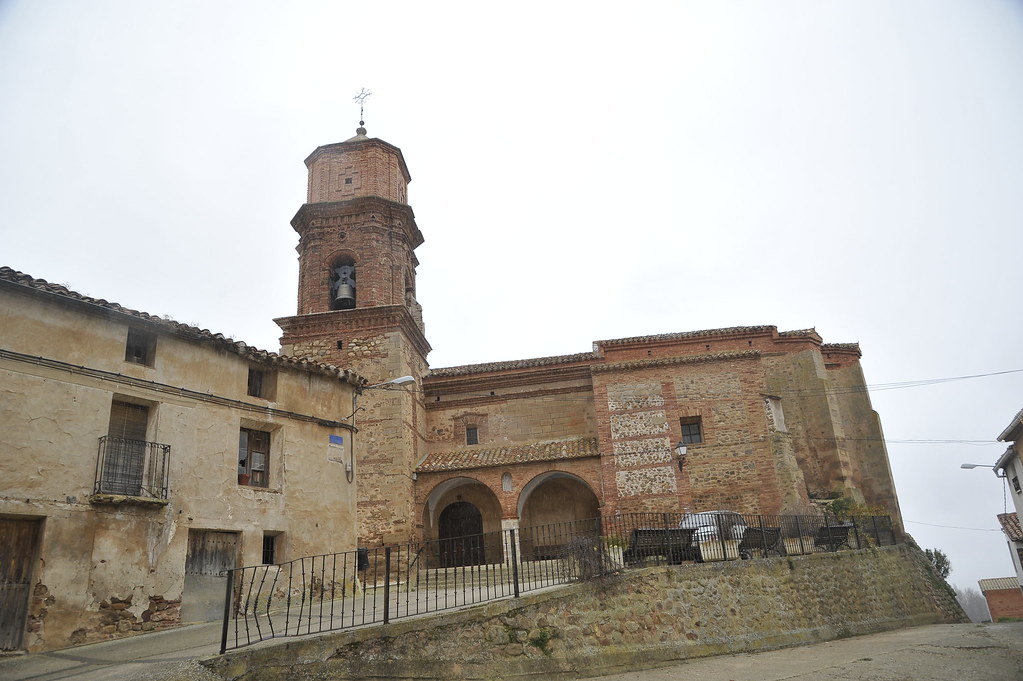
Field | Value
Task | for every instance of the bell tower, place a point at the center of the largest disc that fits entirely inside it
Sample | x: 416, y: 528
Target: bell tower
x: 357, y: 309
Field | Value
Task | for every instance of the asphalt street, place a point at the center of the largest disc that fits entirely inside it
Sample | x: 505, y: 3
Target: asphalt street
x: 952, y: 652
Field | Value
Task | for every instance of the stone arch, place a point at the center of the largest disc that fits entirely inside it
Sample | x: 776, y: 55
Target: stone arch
x: 458, y: 506
x: 553, y: 507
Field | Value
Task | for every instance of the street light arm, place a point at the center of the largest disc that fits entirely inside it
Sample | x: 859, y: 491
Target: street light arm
x: 971, y: 466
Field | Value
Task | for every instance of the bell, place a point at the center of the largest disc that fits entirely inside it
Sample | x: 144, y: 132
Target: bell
x: 345, y: 298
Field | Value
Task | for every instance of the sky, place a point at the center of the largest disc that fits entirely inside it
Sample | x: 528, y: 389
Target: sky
x: 581, y: 171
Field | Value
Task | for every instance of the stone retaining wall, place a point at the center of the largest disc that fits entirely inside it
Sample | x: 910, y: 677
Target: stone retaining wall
x: 636, y: 619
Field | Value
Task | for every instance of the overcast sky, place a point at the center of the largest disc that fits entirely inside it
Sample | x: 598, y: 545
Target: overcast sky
x: 581, y: 171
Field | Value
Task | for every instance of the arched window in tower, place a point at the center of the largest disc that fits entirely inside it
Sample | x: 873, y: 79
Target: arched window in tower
x: 342, y: 284
x: 410, y: 289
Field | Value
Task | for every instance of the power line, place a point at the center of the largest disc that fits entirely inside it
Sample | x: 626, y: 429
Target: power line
x: 839, y: 390
x: 952, y: 527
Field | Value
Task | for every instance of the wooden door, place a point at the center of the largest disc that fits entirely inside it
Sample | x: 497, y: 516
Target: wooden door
x: 19, y: 546
x: 211, y: 553
x: 461, y: 535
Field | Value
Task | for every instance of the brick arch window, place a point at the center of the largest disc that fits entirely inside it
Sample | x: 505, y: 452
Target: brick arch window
x: 471, y: 429
x: 342, y: 283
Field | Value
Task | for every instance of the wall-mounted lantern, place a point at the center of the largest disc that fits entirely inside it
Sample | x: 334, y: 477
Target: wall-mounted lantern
x: 680, y: 452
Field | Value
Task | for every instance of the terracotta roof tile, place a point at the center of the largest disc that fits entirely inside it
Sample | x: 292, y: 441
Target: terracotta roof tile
x: 851, y: 347
x: 512, y: 364
x: 730, y: 331
x: 476, y: 457
x: 998, y: 583
x: 184, y: 330
x: 1017, y: 420
x: 1011, y: 526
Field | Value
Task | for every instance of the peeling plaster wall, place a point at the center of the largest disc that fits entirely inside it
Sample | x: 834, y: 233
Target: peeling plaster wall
x: 107, y: 570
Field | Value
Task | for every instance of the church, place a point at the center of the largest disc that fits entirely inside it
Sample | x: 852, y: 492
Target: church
x: 143, y: 457
x: 748, y: 419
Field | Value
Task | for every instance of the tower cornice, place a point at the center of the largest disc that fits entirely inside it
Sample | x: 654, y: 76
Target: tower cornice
x: 366, y: 320
x: 313, y: 215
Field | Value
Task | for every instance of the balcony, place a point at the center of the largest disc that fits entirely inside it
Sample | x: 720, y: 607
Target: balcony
x: 131, y: 472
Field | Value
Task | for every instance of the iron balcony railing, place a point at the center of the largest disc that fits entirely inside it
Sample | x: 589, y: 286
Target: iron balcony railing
x: 374, y: 586
x: 132, y: 468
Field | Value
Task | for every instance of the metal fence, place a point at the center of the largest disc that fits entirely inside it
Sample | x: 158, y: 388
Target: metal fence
x: 374, y: 586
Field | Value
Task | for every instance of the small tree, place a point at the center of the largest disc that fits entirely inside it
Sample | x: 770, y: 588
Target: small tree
x: 940, y: 562
x: 973, y: 603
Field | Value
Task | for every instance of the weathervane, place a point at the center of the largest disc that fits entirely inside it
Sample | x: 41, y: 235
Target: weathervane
x: 361, y: 99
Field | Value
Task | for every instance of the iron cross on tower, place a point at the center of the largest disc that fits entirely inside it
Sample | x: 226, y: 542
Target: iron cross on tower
x: 361, y: 99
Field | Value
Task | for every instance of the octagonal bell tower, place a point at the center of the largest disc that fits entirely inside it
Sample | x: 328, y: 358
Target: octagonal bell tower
x: 357, y: 309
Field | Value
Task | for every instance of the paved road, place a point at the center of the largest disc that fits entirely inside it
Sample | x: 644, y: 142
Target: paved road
x: 941, y: 652
x: 149, y: 656
x: 954, y: 652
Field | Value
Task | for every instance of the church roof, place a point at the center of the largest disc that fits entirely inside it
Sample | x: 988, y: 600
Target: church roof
x: 476, y: 457
x: 169, y: 326
x: 729, y: 331
x: 512, y: 364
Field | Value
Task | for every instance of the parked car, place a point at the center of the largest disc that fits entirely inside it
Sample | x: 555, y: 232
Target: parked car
x: 711, y: 525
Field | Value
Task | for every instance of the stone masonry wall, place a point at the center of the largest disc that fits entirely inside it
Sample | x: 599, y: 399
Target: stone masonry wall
x: 633, y: 620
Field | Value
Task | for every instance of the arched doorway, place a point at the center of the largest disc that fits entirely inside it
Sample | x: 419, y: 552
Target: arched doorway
x: 554, y: 509
x: 460, y: 530
x: 465, y: 508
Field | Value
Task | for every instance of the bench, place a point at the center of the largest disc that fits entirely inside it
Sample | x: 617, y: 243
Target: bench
x: 830, y: 537
x: 762, y: 540
x: 675, y: 544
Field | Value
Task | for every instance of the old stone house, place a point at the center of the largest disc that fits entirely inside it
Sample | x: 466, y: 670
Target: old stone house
x: 770, y: 419
x: 140, y: 457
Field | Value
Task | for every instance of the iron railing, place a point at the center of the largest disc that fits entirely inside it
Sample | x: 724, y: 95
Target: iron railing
x: 323, y: 593
x: 132, y: 467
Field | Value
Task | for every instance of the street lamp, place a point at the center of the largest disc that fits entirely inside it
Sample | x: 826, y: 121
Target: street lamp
x: 383, y: 385
x: 401, y: 380
x: 680, y: 452
x: 970, y: 466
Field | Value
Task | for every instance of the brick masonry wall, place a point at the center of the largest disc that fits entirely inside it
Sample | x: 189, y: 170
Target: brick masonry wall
x: 539, y: 415
x: 634, y: 620
x: 742, y: 463
x: 1005, y: 604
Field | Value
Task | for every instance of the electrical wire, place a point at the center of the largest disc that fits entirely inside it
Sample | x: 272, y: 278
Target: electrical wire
x: 837, y: 390
x: 953, y: 527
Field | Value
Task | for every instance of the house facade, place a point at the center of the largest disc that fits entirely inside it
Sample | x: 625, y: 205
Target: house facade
x: 141, y: 457
x: 771, y: 420
x: 1010, y: 467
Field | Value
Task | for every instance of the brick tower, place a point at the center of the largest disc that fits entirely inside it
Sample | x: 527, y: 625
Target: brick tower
x: 357, y: 308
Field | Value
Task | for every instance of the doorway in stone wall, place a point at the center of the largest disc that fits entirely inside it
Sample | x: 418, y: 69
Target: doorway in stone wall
x: 460, y: 529
x: 554, y: 507
x: 19, y: 546
x: 210, y: 555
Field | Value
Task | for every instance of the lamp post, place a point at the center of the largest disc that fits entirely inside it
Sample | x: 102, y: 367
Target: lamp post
x: 995, y: 469
x: 384, y: 385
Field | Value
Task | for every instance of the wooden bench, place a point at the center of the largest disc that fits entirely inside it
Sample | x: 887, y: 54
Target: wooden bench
x: 830, y: 537
x: 675, y: 544
x: 762, y: 541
